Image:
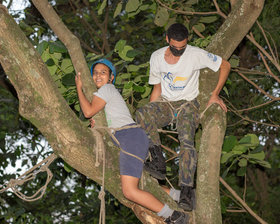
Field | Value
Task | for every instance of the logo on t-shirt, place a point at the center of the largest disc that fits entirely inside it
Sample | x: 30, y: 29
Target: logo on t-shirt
x: 212, y: 57
x: 174, y: 81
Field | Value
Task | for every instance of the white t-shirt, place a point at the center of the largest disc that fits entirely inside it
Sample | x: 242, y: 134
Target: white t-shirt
x: 180, y: 81
x: 116, y: 111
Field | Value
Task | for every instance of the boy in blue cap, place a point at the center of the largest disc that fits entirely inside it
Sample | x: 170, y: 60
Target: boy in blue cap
x: 133, y: 140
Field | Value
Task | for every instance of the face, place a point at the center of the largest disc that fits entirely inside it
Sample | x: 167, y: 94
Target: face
x: 177, y: 48
x: 101, y: 75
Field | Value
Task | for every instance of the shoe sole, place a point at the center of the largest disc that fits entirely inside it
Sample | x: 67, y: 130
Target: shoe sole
x: 187, y: 207
x: 154, y: 174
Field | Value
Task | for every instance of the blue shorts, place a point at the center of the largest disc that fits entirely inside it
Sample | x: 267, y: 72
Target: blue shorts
x: 134, y: 141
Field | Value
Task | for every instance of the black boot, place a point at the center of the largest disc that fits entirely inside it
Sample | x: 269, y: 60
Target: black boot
x: 178, y: 218
x: 187, y: 198
x: 156, y: 167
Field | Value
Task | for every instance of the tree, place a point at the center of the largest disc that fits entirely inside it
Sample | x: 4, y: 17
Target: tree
x: 70, y: 135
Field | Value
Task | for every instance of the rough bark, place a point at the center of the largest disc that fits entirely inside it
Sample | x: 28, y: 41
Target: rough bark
x: 41, y: 103
x: 225, y: 41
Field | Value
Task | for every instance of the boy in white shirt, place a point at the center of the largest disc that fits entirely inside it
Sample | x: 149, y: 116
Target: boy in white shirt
x: 174, y: 72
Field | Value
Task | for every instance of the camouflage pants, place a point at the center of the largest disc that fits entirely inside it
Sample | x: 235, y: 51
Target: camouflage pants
x: 156, y: 115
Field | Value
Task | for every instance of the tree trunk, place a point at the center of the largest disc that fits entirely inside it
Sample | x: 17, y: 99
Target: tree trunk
x: 225, y: 41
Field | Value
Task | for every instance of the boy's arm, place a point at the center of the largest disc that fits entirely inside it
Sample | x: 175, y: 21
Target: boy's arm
x: 89, y: 109
x: 224, y: 71
x: 156, y: 92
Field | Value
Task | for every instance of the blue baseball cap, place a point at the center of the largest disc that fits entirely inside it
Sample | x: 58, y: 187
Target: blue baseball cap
x: 108, y: 64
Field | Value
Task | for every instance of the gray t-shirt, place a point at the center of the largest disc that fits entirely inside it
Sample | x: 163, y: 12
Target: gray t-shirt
x: 116, y: 111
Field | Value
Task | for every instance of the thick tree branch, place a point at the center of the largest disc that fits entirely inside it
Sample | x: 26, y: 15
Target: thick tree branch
x: 72, y: 43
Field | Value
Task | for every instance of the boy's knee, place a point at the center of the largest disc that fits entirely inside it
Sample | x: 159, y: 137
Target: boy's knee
x: 129, y: 193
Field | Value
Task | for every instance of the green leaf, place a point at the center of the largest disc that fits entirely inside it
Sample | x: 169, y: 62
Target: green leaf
x: 133, y: 68
x: 226, y: 90
x: 257, y: 156
x: 52, y: 69
x: 126, y: 92
x: 229, y: 143
x: 191, y: 2
x: 147, y: 92
x: 226, y: 157
x: 250, y: 140
x: 45, y: 56
x: 50, y: 62
x: 234, y: 62
x: 264, y: 164
x: 133, y: 53
x: 67, y: 168
x: 241, y: 171
x: 208, y: 19
x: 120, y: 45
x: 102, y: 7
x: 67, y: 66
x: 77, y: 107
x: 242, y: 162
x: 259, y: 148
x: 118, y: 9
x: 57, y: 47
x: 57, y: 55
x: 123, y: 53
x: 138, y: 89
x: 240, y: 149
x: 200, y: 27
x: 68, y: 79
x: 161, y: 17
x: 132, y: 5
x: 42, y: 47
x: 128, y: 85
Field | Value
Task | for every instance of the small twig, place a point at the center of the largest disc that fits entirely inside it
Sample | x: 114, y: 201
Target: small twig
x: 235, y: 111
x: 236, y: 211
x: 265, y: 37
x: 245, y: 206
x: 256, y: 86
x: 194, y: 29
x: 252, y: 39
x: 188, y: 12
x: 236, y: 123
x: 166, y: 131
x: 248, y: 71
x: 175, y: 139
x: 169, y: 150
x: 260, y: 105
x: 219, y: 10
x: 268, y: 69
x: 245, y: 187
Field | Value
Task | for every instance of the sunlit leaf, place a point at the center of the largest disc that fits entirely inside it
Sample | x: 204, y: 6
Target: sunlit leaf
x: 242, y: 162
x: 132, y: 5
x: 118, y: 9
x: 250, y: 140
x: 161, y: 17
x: 208, y: 19
x: 102, y: 7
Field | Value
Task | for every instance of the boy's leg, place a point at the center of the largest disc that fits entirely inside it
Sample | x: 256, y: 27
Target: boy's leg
x: 132, y: 192
x: 151, y: 117
x: 187, y: 124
